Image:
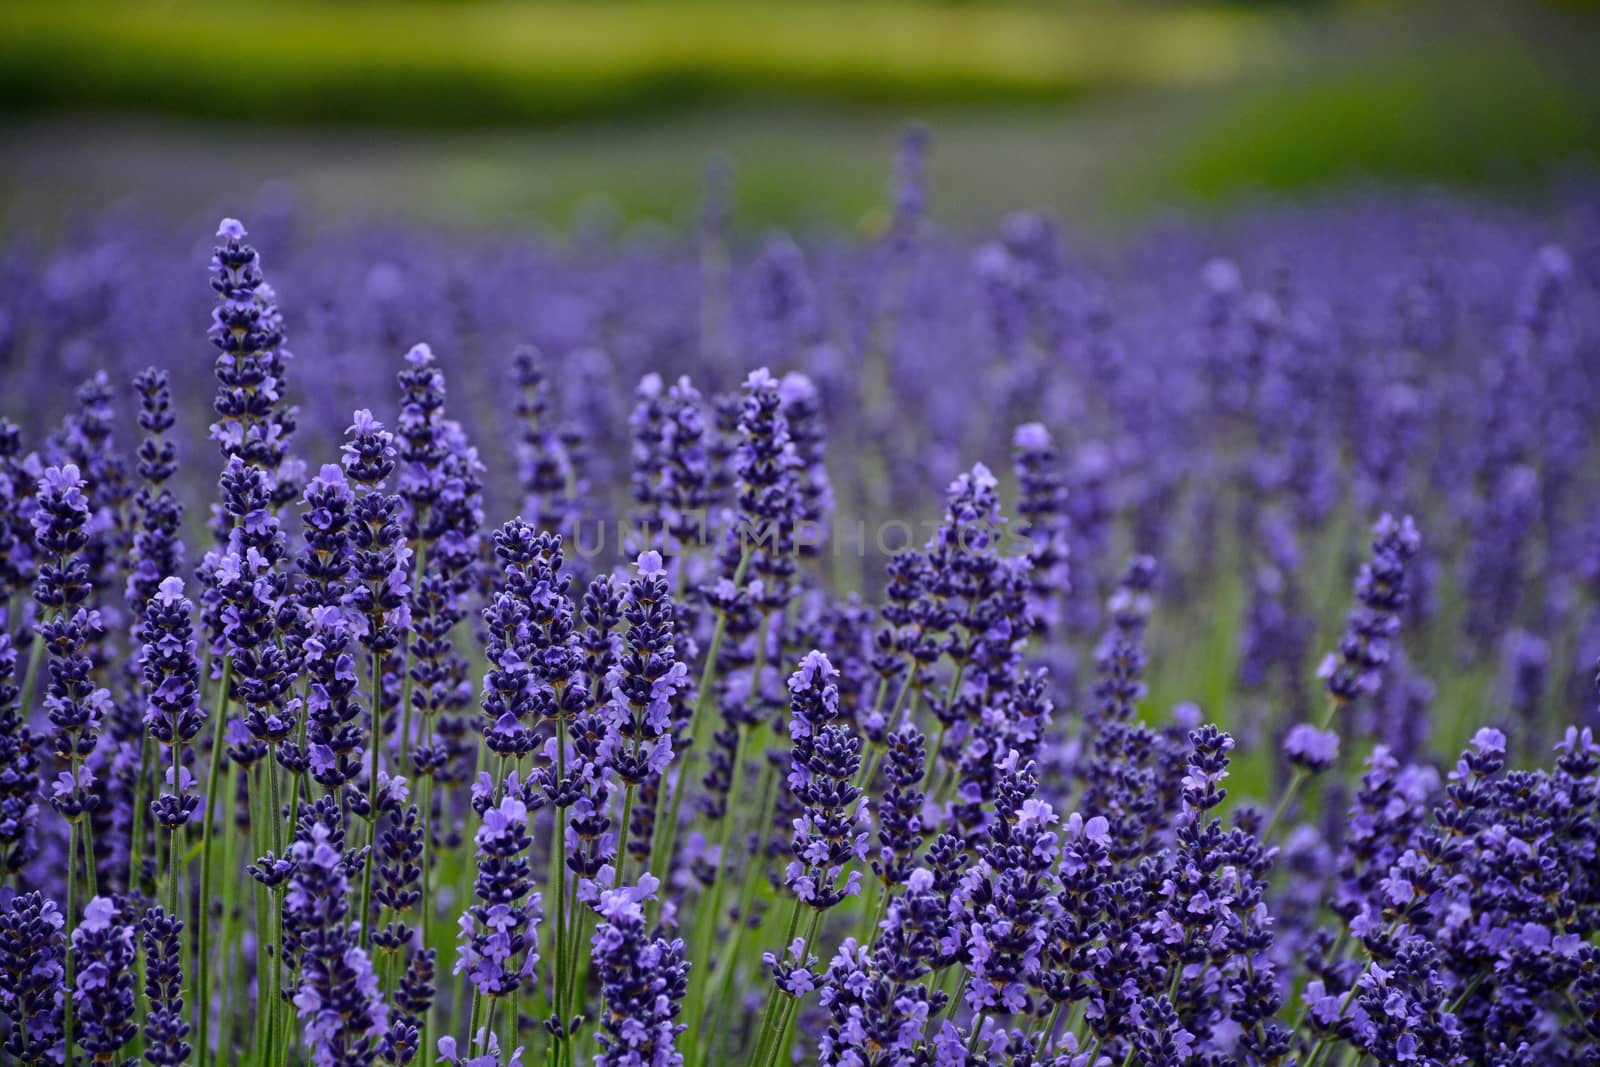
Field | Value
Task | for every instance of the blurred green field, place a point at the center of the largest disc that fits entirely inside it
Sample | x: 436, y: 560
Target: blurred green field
x: 455, y: 65
x: 486, y: 112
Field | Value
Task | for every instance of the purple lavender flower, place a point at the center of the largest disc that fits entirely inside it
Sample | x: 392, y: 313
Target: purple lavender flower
x: 824, y: 760
x: 326, y: 564
x: 1118, y: 782
x: 172, y: 686
x: 16, y: 532
x: 1007, y: 900
x: 1315, y: 750
x: 499, y: 939
x: 878, y: 999
x: 910, y: 190
x: 1525, y: 667
x: 338, y: 999
x: 253, y: 424
x: 422, y: 449
x: 327, y: 632
x: 486, y: 1040
x: 86, y: 441
x: 102, y: 995
x: 900, y: 826
x: 20, y: 767
x: 74, y: 703
x: 1042, y: 508
x: 32, y: 974
x: 550, y: 479
x: 802, y: 411
x: 643, y: 980
x: 1356, y: 667
x: 398, y: 874
x: 157, y: 548
x: 166, y: 1027
x: 247, y: 604
x: 413, y: 1000
x: 381, y: 563
x: 507, y: 701
x: 639, y: 719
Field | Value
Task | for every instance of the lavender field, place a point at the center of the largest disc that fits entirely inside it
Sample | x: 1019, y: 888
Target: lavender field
x: 875, y: 648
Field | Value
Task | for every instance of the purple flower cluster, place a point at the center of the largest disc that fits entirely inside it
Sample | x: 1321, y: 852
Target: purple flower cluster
x: 338, y: 999
x: 32, y: 963
x: 642, y: 983
x: 254, y: 424
x: 75, y: 704
x: 102, y: 996
x: 166, y: 1028
x: 499, y: 935
x: 172, y: 684
x: 825, y: 756
x: 791, y: 789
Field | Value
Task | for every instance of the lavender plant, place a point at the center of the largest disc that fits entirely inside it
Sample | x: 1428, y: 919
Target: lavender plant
x: 779, y: 757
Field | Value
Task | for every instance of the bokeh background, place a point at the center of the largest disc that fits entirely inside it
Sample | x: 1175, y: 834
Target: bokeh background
x: 494, y: 114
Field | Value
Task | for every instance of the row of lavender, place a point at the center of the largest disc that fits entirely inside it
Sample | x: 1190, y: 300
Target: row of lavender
x: 369, y: 776
x: 1381, y: 354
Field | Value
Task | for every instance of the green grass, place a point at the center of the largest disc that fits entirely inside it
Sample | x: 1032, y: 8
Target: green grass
x: 489, y: 113
x: 417, y: 64
x: 1505, y: 115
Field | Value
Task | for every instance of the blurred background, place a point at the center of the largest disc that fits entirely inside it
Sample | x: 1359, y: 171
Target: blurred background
x: 493, y: 114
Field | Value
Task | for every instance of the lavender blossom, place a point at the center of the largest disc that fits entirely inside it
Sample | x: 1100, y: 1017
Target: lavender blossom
x: 157, y: 548
x: 102, y: 995
x: 32, y: 975
x: 642, y: 983
x: 172, y: 685
x: 643, y: 684
x: 1356, y: 667
x: 338, y: 999
x: 20, y: 767
x: 74, y: 703
x: 253, y: 424
x: 166, y: 1027
x: 499, y: 936
x: 824, y: 759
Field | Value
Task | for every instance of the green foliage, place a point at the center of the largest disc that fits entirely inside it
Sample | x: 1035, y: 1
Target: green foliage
x: 414, y: 64
x: 1476, y: 117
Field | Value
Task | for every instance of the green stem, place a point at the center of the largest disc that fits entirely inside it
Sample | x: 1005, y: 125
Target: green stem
x: 88, y: 860
x: 72, y: 913
x: 31, y: 679
x: 232, y: 914
x: 427, y: 890
x: 773, y: 994
x: 258, y: 833
x: 576, y: 957
x: 558, y: 865
x: 372, y: 795
x: 622, y: 834
x: 699, y: 720
x: 708, y: 912
x: 201, y: 990
x: 1296, y: 779
x: 299, y: 776
x: 136, y: 838
x: 418, y: 564
x: 274, y: 917
x: 790, y: 1009
x: 747, y: 897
